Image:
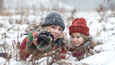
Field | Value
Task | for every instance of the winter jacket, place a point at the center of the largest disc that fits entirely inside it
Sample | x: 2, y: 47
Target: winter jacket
x: 26, y: 50
x: 81, y: 51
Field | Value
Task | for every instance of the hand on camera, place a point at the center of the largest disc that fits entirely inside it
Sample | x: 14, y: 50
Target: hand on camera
x: 59, y: 42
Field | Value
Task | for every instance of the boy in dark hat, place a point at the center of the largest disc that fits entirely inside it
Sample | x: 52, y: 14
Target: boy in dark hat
x: 54, y: 27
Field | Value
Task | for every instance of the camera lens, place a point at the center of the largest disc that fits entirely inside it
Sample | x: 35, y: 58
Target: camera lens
x: 44, y: 38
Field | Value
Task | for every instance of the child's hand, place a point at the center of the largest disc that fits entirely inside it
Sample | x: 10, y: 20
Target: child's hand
x: 59, y: 42
x: 34, y: 34
x: 35, y: 37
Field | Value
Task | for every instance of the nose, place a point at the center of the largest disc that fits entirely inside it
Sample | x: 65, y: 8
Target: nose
x: 74, y: 40
x: 56, y: 31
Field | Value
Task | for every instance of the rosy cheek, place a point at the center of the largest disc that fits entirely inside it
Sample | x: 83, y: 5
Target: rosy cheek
x: 81, y: 41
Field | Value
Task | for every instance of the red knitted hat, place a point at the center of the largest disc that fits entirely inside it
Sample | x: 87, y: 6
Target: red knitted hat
x: 79, y: 25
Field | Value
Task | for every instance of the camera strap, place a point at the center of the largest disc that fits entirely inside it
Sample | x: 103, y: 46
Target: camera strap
x: 30, y: 36
x: 31, y: 39
x: 29, y: 43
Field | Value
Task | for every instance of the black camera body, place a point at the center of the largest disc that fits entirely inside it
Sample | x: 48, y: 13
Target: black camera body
x: 44, y: 38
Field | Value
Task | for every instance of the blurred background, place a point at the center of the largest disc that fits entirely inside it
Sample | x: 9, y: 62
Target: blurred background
x: 20, y: 16
x: 57, y: 4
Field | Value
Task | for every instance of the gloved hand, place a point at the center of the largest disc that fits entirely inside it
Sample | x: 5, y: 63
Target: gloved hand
x: 59, y: 42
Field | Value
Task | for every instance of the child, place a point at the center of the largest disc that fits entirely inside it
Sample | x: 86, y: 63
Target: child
x: 54, y: 27
x: 81, y: 43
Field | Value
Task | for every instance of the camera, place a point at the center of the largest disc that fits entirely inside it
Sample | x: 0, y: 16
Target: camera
x: 44, y: 38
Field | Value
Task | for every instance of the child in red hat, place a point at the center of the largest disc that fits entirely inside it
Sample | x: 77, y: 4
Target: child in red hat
x: 81, y: 43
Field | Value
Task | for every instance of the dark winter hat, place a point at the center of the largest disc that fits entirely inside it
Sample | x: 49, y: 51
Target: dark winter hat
x: 79, y: 25
x: 54, y: 19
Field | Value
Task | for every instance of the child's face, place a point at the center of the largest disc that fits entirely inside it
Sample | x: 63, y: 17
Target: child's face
x: 76, y: 39
x: 56, y: 31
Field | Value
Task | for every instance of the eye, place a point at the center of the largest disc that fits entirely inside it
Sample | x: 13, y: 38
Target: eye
x: 72, y: 36
x: 60, y: 29
x: 54, y: 27
x: 77, y: 36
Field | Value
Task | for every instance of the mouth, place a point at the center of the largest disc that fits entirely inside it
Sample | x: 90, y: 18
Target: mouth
x: 55, y: 37
x: 75, y: 45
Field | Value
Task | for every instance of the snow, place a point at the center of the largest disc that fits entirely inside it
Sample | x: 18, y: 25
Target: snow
x: 2, y: 61
x: 104, y: 58
x: 101, y: 32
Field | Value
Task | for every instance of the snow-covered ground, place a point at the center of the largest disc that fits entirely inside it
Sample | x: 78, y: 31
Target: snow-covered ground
x: 102, y: 31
